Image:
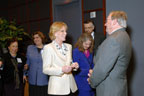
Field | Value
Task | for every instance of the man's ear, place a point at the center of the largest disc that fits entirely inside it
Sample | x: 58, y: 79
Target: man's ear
x: 115, y: 22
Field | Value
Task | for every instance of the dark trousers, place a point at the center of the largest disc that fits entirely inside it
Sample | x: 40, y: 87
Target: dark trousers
x: 35, y: 90
x: 71, y: 94
x: 1, y: 87
x: 9, y: 90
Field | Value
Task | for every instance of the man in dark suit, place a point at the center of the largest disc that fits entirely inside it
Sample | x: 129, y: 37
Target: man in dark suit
x: 98, y: 38
x: 112, y: 58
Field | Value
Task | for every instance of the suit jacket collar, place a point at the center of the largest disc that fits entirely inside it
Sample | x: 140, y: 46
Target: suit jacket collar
x: 35, y: 49
x: 120, y: 29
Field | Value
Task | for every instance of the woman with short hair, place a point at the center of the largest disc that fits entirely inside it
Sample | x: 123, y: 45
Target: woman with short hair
x: 57, y: 62
x: 13, y: 66
x: 37, y: 80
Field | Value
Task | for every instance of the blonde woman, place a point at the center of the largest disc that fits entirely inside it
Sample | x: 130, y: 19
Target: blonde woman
x: 57, y: 62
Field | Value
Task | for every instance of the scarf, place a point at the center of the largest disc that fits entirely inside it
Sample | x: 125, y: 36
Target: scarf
x: 16, y: 75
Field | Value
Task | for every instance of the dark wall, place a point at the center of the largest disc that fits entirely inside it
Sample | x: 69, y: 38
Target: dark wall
x: 92, y: 4
x: 3, y: 9
x: 71, y: 14
x: 98, y: 7
x: 33, y: 15
x: 134, y: 10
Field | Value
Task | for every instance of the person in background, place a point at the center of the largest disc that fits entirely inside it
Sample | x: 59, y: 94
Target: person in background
x: 83, y: 54
x: 13, y: 66
x: 1, y: 68
x: 112, y: 58
x: 57, y: 62
x: 38, y: 81
x: 89, y: 28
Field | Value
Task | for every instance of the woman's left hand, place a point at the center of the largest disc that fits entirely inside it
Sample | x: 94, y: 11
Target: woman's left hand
x: 75, y: 65
x: 66, y: 69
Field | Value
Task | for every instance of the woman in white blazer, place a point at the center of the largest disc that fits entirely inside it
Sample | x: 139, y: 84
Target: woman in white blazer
x: 57, y: 62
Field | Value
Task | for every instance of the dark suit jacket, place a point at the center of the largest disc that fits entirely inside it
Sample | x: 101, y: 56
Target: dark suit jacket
x: 111, y: 62
x: 84, y: 65
x: 98, y: 39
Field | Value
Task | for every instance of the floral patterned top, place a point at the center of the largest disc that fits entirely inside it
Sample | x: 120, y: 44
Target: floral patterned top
x: 63, y: 50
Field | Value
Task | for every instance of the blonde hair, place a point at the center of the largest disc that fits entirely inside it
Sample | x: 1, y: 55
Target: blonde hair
x: 56, y: 26
x: 121, y: 17
x: 83, y: 38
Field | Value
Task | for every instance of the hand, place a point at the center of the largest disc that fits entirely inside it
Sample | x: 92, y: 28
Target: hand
x: 89, y: 75
x: 90, y: 72
x: 75, y: 65
x: 0, y: 63
x: 26, y: 67
x: 88, y: 79
x: 66, y: 69
x: 25, y: 79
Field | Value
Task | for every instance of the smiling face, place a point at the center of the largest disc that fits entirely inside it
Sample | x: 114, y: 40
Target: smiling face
x: 13, y: 48
x: 61, y: 34
x: 86, y: 44
x: 37, y: 39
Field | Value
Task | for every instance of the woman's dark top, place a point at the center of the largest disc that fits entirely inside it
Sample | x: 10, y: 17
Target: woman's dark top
x: 9, y: 69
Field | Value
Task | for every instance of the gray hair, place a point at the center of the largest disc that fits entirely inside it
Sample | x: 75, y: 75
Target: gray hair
x: 121, y: 17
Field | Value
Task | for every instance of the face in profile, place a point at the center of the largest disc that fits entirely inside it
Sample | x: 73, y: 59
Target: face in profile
x: 13, y: 48
x: 86, y: 44
x: 61, y: 34
x: 37, y: 39
x: 109, y: 24
x: 89, y: 27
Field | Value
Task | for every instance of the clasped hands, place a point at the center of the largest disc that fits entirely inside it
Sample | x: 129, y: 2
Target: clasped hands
x: 68, y: 68
x: 89, y: 75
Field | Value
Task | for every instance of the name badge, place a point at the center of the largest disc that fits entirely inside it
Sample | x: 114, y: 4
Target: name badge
x: 19, y: 60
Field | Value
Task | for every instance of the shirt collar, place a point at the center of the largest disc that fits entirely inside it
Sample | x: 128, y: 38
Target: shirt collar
x: 64, y: 47
x: 92, y: 34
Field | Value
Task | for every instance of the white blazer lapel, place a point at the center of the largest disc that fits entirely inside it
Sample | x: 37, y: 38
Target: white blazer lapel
x: 68, y: 55
x: 58, y: 53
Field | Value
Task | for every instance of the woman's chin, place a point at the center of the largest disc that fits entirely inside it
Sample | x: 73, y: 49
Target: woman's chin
x: 64, y: 40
